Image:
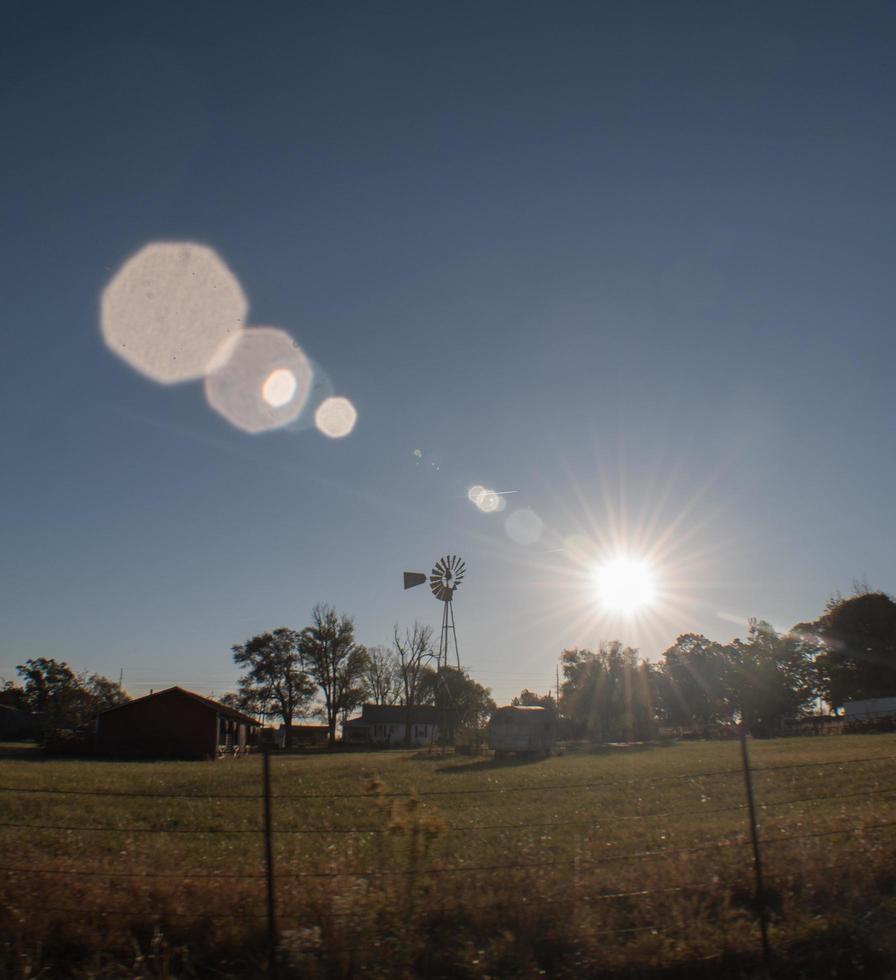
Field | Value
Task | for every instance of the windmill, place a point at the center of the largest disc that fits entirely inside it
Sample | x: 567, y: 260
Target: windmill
x: 444, y: 581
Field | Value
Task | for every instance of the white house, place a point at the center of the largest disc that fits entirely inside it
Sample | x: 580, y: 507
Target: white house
x: 384, y: 724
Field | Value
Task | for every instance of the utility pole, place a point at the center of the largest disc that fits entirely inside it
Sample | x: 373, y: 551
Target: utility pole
x: 557, y: 686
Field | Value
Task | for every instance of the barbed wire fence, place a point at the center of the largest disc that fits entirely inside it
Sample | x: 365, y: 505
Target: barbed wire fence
x: 268, y: 874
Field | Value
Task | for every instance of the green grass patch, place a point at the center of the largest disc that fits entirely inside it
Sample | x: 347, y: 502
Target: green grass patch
x: 611, y: 860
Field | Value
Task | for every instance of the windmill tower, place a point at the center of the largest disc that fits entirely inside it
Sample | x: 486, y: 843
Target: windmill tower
x: 444, y: 581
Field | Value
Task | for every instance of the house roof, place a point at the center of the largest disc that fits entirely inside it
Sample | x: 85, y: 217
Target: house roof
x: 222, y: 709
x: 396, y: 714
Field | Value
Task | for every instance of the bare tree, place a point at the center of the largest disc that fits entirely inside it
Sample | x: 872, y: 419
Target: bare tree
x: 414, y: 652
x: 383, y: 676
x: 335, y: 661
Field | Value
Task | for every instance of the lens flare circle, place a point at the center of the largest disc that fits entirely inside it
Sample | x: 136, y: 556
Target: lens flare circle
x: 475, y: 493
x: 524, y: 526
x: 264, y: 382
x: 625, y: 585
x: 279, y: 387
x: 170, y: 308
x: 336, y: 417
x: 486, y: 500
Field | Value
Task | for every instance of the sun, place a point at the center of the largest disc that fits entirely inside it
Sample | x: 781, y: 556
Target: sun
x: 625, y: 585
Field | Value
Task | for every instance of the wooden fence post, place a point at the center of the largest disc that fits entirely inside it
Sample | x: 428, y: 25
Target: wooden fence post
x: 269, y: 862
x: 754, y: 832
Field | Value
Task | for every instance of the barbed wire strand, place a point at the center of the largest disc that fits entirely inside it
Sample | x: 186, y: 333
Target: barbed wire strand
x: 287, y: 918
x: 460, y: 869
x: 535, y: 900
x: 465, y: 829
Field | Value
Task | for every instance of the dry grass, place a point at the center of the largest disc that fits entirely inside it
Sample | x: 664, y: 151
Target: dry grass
x: 409, y: 864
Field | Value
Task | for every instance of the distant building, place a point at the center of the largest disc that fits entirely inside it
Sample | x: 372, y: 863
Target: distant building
x: 871, y: 709
x: 302, y: 735
x: 384, y: 724
x: 524, y: 729
x: 175, y: 724
x: 15, y: 723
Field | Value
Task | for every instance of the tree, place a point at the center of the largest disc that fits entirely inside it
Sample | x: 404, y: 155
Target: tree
x: 529, y: 699
x: 65, y: 699
x: 414, y: 652
x: 382, y: 675
x: 13, y: 696
x: 101, y: 693
x: 52, y: 690
x: 273, y: 675
x: 693, y: 682
x: 607, y: 695
x: 247, y: 701
x: 858, y: 636
x: 466, y: 703
x: 771, y: 677
x: 335, y: 661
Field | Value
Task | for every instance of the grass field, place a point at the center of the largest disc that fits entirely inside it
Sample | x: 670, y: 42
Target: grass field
x: 629, y: 860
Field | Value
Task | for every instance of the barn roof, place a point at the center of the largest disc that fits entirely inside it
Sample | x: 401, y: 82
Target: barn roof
x: 222, y: 709
x: 396, y: 714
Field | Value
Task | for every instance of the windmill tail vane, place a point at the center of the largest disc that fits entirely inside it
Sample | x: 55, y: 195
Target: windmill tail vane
x: 413, y: 578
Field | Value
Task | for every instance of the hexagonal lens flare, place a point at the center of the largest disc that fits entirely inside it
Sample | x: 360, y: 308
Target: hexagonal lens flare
x: 170, y: 308
x: 263, y: 384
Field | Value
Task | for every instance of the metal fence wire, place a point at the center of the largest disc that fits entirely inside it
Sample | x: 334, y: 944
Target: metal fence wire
x: 266, y: 910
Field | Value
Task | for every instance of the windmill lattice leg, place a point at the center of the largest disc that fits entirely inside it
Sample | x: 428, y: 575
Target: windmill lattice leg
x: 454, y: 633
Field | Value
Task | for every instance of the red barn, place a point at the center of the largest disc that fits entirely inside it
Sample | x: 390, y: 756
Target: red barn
x: 174, y: 724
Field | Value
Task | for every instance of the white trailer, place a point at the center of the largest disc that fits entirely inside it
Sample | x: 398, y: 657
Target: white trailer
x: 525, y: 730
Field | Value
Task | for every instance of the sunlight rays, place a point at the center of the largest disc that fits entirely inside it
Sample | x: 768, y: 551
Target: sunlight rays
x: 660, y: 537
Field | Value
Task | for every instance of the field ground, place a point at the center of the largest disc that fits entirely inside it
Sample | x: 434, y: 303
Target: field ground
x: 618, y: 861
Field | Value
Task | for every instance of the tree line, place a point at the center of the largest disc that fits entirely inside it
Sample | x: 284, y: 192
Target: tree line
x: 764, y: 680
x: 323, y: 670
x: 319, y: 671
x: 57, y: 696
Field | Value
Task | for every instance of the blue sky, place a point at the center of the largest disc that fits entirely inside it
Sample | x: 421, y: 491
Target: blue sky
x: 631, y: 260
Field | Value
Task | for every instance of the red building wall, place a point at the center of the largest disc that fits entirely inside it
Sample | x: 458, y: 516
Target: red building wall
x: 165, y: 725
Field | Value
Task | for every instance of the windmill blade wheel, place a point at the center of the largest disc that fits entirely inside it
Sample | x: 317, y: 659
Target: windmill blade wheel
x: 446, y: 575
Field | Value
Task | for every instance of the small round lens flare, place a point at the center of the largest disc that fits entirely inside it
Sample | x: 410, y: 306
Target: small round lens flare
x: 336, y: 417
x: 489, y: 502
x: 261, y: 381
x: 625, y: 585
x: 170, y: 308
x: 279, y: 388
x: 524, y: 526
x: 476, y: 493
x: 486, y: 500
